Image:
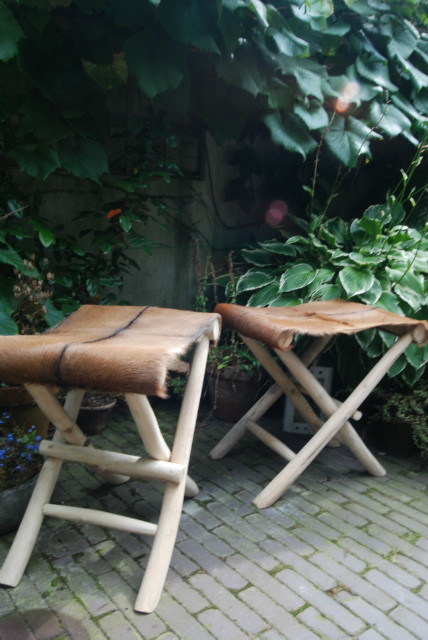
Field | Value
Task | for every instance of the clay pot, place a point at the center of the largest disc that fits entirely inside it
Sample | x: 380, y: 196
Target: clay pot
x: 94, y: 412
x: 233, y: 391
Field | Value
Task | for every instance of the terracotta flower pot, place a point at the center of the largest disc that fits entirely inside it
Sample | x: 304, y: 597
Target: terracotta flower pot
x: 94, y: 412
x: 233, y: 391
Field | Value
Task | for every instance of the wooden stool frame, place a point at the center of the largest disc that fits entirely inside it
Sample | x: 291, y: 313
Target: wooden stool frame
x: 69, y: 443
x: 335, y: 430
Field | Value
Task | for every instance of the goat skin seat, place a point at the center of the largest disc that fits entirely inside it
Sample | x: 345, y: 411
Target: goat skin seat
x: 276, y: 326
x: 109, y: 348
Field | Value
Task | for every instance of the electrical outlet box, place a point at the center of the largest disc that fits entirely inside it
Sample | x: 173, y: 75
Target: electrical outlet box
x: 293, y: 421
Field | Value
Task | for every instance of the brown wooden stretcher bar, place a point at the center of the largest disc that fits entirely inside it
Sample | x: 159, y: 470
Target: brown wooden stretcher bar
x: 118, y: 349
x: 274, y: 328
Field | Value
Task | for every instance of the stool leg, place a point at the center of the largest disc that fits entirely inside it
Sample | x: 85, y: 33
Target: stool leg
x: 348, y: 435
x: 172, y: 504
x: 151, y: 435
x: 297, y: 465
x: 26, y: 536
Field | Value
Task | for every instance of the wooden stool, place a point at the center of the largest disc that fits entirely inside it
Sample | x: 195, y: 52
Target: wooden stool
x: 275, y: 327
x: 114, y: 349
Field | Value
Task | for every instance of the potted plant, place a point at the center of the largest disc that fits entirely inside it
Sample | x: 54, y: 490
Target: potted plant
x: 234, y: 375
x: 19, y: 466
x: 399, y: 422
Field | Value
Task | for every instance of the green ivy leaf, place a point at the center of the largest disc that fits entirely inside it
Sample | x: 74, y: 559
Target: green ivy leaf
x: 297, y: 277
x: 355, y: 281
x: 389, y: 119
x: 376, y: 72
x: 84, y: 159
x: 290, y: 133
x: 10, y: 33
x: 157, y: 64
x: 397, y: 367
x: 313, y: 115
x: 38, y: 160
x: 253, y: 279
x: 349, y: 138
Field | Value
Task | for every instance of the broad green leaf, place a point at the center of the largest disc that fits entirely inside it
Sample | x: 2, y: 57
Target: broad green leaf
x: 397, y: 367
x: 7, y: 326
x: 108, y: 76
x: 415, y: 356
x: 371, y: 226
x: 290, y: 133
x: 192, y: 25
x: 339, y: 230
x: 376, y: 72
x: 10, y: 33
x: 414, y: 300
x: 286, y: 301
x: 365, y: 338
x: 10, y: 256
x: 264, y: 297
x: 413, y: 282
x: 157, y: 64
x: 375, y: 348
x: 273, y: 246
x: 253, y: 279
x: 363, y: 259
x: 53, y: 315
x: 404, y: 40
x: 417, y: 77
x: 84, y: 159
x: 355, y: 281
x: 287, y: 42
x: 313, y: 115
x: 38, y: 160
x: 258, y: 257
x: 327, y: 292
x: 297, y: 277
x: 348, y: 138
x: 373, y: 294
x: 243, y: 70
x: 46, y: 237
x: 389, y: 119
x: 390, y: 302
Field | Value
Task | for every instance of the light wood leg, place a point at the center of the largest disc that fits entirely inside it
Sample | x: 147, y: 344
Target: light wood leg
x: 26, y: 536
x: 328, y: 406
x: 151, y: 435
x: 297, y: 465
x: 163, y: 544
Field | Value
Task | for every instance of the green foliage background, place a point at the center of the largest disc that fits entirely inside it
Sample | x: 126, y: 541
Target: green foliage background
x: 231, y: 64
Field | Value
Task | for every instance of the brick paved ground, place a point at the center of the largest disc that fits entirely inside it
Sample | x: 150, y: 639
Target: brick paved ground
x: 342, y: 555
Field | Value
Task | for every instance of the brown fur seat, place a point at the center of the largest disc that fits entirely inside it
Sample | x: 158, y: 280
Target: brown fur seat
x: 110, y: 348
x: 275, y: 326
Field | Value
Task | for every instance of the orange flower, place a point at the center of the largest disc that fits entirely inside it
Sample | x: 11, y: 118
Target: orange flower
x: 113, y: 212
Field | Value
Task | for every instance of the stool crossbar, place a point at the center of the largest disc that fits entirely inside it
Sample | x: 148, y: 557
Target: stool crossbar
x: 264, y: 330
x: 115, y: 349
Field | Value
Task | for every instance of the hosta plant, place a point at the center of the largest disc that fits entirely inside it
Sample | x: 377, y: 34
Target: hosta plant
x: 376, y: 259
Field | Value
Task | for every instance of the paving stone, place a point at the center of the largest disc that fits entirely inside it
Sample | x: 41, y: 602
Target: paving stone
x: 411, y: 622
x: 282, y: 621
x: 378, y: 620
x: 313, y: 619
x: 246, y: 619
x: 411, y: 600
x: 213, y: 565
x: 357, y: 585
x: 326, y: 604
x: 236, y: 572
x: 221, y: 627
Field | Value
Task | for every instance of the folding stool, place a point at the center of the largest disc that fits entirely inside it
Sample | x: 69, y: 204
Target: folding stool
x: 275, y: 328
x: 113, y: 349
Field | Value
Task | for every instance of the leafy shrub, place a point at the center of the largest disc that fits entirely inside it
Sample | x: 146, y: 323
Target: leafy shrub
x: 376, y: 259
